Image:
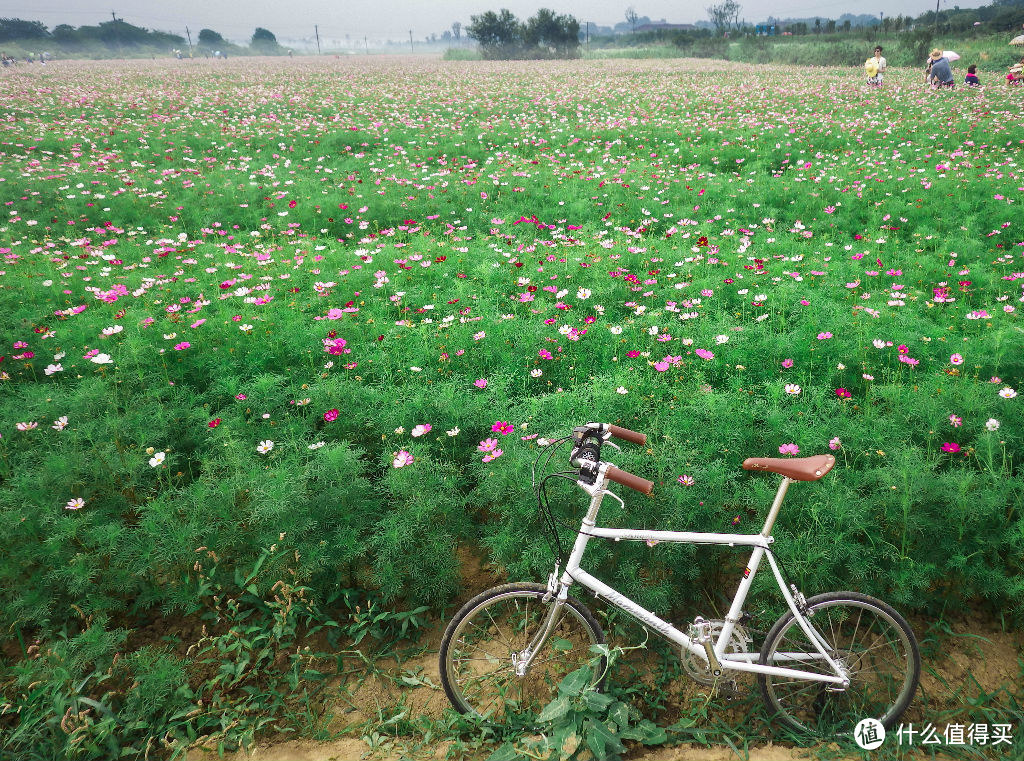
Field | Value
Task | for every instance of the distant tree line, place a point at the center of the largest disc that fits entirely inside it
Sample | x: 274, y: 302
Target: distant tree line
x: 120, y: 35
x: 546, y: 35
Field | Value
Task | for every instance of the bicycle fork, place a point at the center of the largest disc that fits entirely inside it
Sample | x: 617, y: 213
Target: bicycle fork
x: 522, y: 660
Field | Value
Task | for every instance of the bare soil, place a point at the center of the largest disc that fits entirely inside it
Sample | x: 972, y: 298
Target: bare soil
x: 976, y: 660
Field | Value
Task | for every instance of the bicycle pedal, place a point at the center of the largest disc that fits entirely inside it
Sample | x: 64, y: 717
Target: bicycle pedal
x: 728, y: 689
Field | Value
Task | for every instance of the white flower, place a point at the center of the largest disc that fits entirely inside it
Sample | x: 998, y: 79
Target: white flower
x: 878, y: 343
x: 60, y: 423
x: 565, y: 330
x: 75, y: 504
x: 112, y: 330
x: 170, y: 336
x: 721, y: 339
x: 615, y: 329
x: 317, y: 445
x: 245, y: 328
x: 583, y: 293
x: 51, y: 369
x: 542, y: 442
x: 454, y: 431
x: 416, y: 369
x: 840, y: 366
x: 1007, y: 393
x: 265, y: 446
x: 59, y: 356
x: 26, y: 426
x: 419, y: 430
x: 536, y: 372
x: 400, y: 430
x: 792, y: 388
x: 991, y: 424
x: 103, y: 359
x: 156, y: 459
x: 621, y: 390
x: 653, y: 330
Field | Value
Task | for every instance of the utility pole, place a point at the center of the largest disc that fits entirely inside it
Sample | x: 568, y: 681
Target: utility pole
x: 936, y: 16
x: 316, y: 29
x: 411, y: 49
x: 588, y: 35
x: 189, y: 34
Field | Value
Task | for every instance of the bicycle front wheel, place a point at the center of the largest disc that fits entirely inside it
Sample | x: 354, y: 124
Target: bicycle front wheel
x: 868, y: 638
x: 489, y: 637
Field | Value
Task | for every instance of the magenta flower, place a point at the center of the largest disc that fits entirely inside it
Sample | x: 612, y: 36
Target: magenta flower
x: 182, y: 346
x: 789, y: 449
x: 330, y: 416
x: 950, y: 446
x: 503, y: 428
x: 240, y: 397
x: 835, y: 443
x: 704, y: 354
x: 842, y: 393
x: 480, y: 383
x: 787, y: 363
x: 661, y: 366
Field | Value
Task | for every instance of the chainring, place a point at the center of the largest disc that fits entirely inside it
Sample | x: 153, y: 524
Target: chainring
x: 695, y: 666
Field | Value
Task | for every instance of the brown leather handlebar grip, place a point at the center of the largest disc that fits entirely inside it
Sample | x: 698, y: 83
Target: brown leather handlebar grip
x: 628, y: 479
x: 627, y: 435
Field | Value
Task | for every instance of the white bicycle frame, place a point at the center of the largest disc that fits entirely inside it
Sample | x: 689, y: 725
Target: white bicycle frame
x: 715, y: 654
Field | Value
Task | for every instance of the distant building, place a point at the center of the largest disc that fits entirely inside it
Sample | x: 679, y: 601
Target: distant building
x: 664, y: 26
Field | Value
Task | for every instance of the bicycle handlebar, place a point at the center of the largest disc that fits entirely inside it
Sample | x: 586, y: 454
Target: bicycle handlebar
x: 625, y: 478
x: 627, y: 435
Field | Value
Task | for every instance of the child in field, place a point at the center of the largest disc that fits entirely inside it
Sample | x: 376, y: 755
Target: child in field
x: 1016, y: 74
x: 972, y: 76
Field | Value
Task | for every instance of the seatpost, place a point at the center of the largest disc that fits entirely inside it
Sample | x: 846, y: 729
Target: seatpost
x: 769, y: 522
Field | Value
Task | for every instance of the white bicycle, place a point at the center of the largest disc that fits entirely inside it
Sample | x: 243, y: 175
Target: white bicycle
x: 830, y: 661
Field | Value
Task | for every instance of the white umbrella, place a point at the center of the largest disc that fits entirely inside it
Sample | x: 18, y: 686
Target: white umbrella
x: 950, y: 56
x: 1018, y: 40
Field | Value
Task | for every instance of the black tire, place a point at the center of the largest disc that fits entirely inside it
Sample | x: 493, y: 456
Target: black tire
x: 490, y: 630
x: 873, y: 641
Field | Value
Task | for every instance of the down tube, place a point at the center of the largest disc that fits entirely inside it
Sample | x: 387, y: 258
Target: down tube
x: 621, y: 601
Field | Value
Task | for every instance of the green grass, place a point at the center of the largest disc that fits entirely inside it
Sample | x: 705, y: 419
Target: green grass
x: 695, y: 241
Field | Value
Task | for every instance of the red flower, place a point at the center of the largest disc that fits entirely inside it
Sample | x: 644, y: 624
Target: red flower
x: 292, y: 204
x: 214, y: 423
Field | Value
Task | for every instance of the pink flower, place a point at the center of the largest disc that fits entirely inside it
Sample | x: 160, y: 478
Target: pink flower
x: 950, y: 446
x: 789, y: 449
x: 955, y: 421
x: 330, y: 416
x: 835, y: 443
x: 704, y: 354
x: 503, y: 428
x: 787, y: 363
x: 487, y: 445
x: 824, y: 336
x: 661, y: 366
x: 956, y: 359
x: 402, y: 459
x: 240, y: 397
x: 493, y: 455
x: 421, y: 430
x: 686, y: 480
x: 182, y: 346
x: 480, y: 383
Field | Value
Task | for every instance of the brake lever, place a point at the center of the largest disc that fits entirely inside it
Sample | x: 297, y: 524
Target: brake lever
x: 613, y: 445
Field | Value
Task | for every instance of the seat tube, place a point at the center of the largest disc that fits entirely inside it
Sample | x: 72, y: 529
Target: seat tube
x: 769, y: 522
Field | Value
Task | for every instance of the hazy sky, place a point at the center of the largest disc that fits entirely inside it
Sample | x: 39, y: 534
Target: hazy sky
x: 236, y: 19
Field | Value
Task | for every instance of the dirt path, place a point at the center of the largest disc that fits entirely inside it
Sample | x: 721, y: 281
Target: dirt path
x: 976, y: 660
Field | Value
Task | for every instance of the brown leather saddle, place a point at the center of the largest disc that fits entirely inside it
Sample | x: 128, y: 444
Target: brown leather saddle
x: 797, y: 468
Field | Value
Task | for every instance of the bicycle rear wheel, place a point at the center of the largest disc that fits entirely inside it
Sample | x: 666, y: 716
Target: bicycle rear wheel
x: 868, y: 638
x: 487, y: 638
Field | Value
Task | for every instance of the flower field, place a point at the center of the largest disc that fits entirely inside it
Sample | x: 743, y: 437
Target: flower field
x: 320, y: 314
